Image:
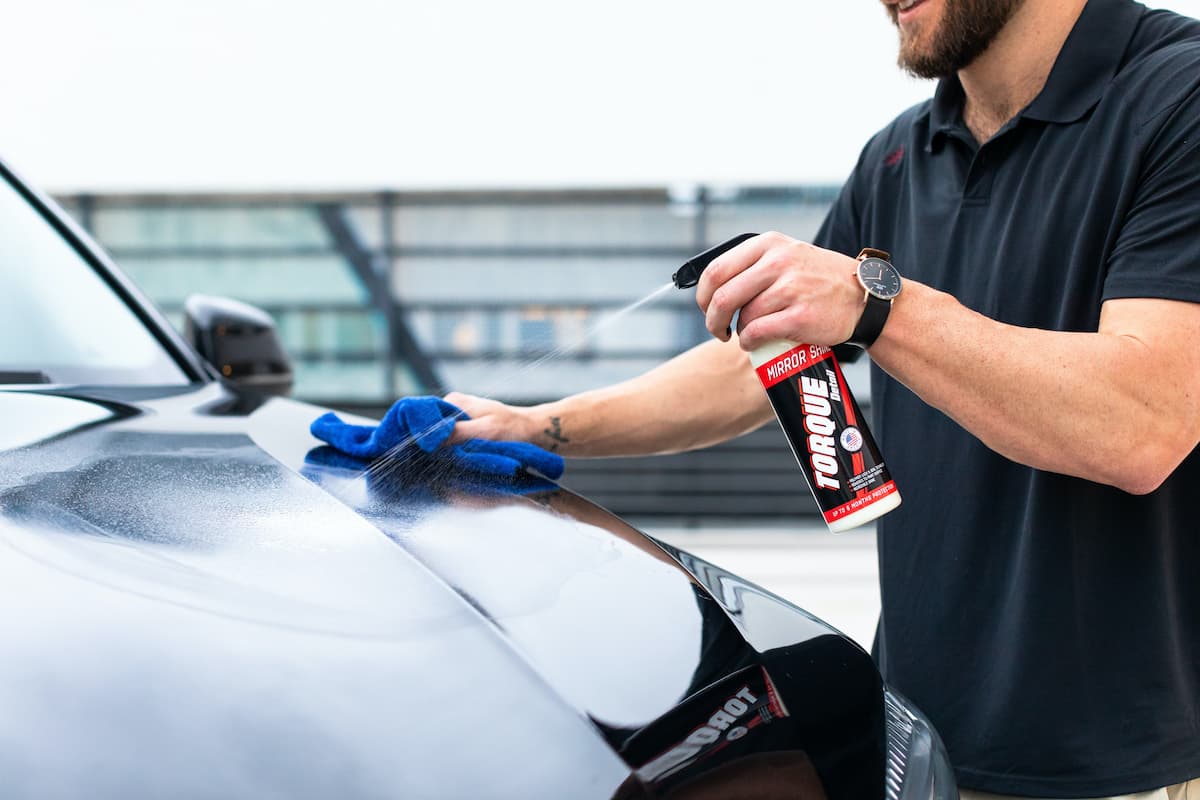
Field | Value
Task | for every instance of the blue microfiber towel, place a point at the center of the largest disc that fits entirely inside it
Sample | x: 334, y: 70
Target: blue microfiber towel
x: 417, y: 481
x: 425, y: 423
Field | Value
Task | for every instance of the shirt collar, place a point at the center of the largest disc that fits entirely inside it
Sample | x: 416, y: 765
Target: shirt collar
x: 945, y: 113
x: 1085, y: 66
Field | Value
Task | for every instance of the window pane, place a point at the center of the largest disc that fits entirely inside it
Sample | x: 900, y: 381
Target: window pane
x: 561, y: 224
x: 417, y: 280
x: 59, y: 317
x: 189, y: 226
x: 262, y: 281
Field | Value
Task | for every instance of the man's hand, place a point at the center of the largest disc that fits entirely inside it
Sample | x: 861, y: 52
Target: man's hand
x: 785, y: 288
x: 491, y: 419
x: 1133, y: 380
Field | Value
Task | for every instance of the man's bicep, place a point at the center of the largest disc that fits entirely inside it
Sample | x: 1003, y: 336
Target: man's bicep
x: 1168, y: 337
x: 1166, y: 326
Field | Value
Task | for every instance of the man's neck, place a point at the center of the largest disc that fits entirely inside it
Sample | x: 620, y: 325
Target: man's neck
x: 1012, y: 71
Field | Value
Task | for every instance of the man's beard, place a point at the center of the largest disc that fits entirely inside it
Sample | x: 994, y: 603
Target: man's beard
x: 966, y: 29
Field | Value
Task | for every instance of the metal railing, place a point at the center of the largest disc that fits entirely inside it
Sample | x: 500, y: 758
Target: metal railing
x: 383, y: 294
x: 353, y: 278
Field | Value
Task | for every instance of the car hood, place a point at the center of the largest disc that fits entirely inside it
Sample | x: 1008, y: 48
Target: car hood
x: 198, y: 604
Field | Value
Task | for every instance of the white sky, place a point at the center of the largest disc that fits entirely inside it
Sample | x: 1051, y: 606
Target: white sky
x: 365, y: 94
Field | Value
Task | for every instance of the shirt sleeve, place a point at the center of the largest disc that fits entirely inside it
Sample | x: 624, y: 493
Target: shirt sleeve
x: 1157, y: 251
x: 841, y: 229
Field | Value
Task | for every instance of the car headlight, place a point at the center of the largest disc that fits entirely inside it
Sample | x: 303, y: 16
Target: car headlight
x: 917, y: 765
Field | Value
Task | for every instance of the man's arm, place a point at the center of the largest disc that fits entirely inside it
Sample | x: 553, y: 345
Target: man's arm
x: 703, y: 396
x: 1119, y: 406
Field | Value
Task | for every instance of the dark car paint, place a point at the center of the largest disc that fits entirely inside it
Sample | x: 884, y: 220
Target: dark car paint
x: 194, y: 609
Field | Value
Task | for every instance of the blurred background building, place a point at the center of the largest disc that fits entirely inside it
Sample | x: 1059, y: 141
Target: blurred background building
x: 381, y: 295
x: 518, y: 295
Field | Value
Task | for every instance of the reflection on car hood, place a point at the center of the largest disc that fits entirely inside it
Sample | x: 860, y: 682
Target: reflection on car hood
x: 203, y: 610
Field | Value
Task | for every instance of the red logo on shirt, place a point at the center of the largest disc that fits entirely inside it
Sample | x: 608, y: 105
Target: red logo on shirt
x: 894, y: 157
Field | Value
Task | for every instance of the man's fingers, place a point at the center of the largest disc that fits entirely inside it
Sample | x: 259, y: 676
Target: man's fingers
x: 769, y: 327
x: 464, y: 429
x: 466, y: 402
x: 772, y: 300
x: 728, y: 264
x: 477, y: 422
x: 735, y: 293
x: 476, y: 406
x: 488, y: 419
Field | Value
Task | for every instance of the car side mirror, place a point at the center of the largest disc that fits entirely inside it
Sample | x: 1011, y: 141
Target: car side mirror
x: 240, y: 341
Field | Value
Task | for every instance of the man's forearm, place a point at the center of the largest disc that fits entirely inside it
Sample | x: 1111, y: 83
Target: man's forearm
x: 703, y: 396
x: 1120, y: 406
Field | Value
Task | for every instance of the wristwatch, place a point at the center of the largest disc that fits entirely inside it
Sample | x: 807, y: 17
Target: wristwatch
x: 882, y: 283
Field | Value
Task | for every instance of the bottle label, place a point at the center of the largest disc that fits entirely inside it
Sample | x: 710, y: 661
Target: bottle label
x: 826, y: 431
x: 715, y: 726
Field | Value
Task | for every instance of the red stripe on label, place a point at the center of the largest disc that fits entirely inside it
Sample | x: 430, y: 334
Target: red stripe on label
x: 845, y: 392
x: 788, y: 364
x: 859, y: 503
x: 773, y: 701
x: 856, y: 460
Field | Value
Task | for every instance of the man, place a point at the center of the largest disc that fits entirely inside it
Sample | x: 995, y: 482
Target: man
x: 1036, y: 390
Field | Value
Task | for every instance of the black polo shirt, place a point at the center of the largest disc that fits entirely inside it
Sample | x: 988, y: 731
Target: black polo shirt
x: 1049, y: 626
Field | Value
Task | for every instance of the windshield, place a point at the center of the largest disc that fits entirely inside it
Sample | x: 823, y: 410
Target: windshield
x: 60, y: 322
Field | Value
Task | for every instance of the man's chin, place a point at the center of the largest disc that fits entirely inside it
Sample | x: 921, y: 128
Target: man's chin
x: 918, y: 61
x: 924, y: 69
x: 940, y: 44
x: 921, y: 72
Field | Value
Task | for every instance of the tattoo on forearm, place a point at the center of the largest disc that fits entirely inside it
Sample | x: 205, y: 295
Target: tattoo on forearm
x: 555, y: 433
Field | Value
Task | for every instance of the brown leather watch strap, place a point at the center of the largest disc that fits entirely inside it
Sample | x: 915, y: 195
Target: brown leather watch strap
x: 871, y: 252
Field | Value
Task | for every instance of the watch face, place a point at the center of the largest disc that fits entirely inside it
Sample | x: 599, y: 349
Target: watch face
x: 879, y: 278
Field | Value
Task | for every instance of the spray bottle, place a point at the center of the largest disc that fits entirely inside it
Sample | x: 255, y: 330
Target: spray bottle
x: 823, y: 424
